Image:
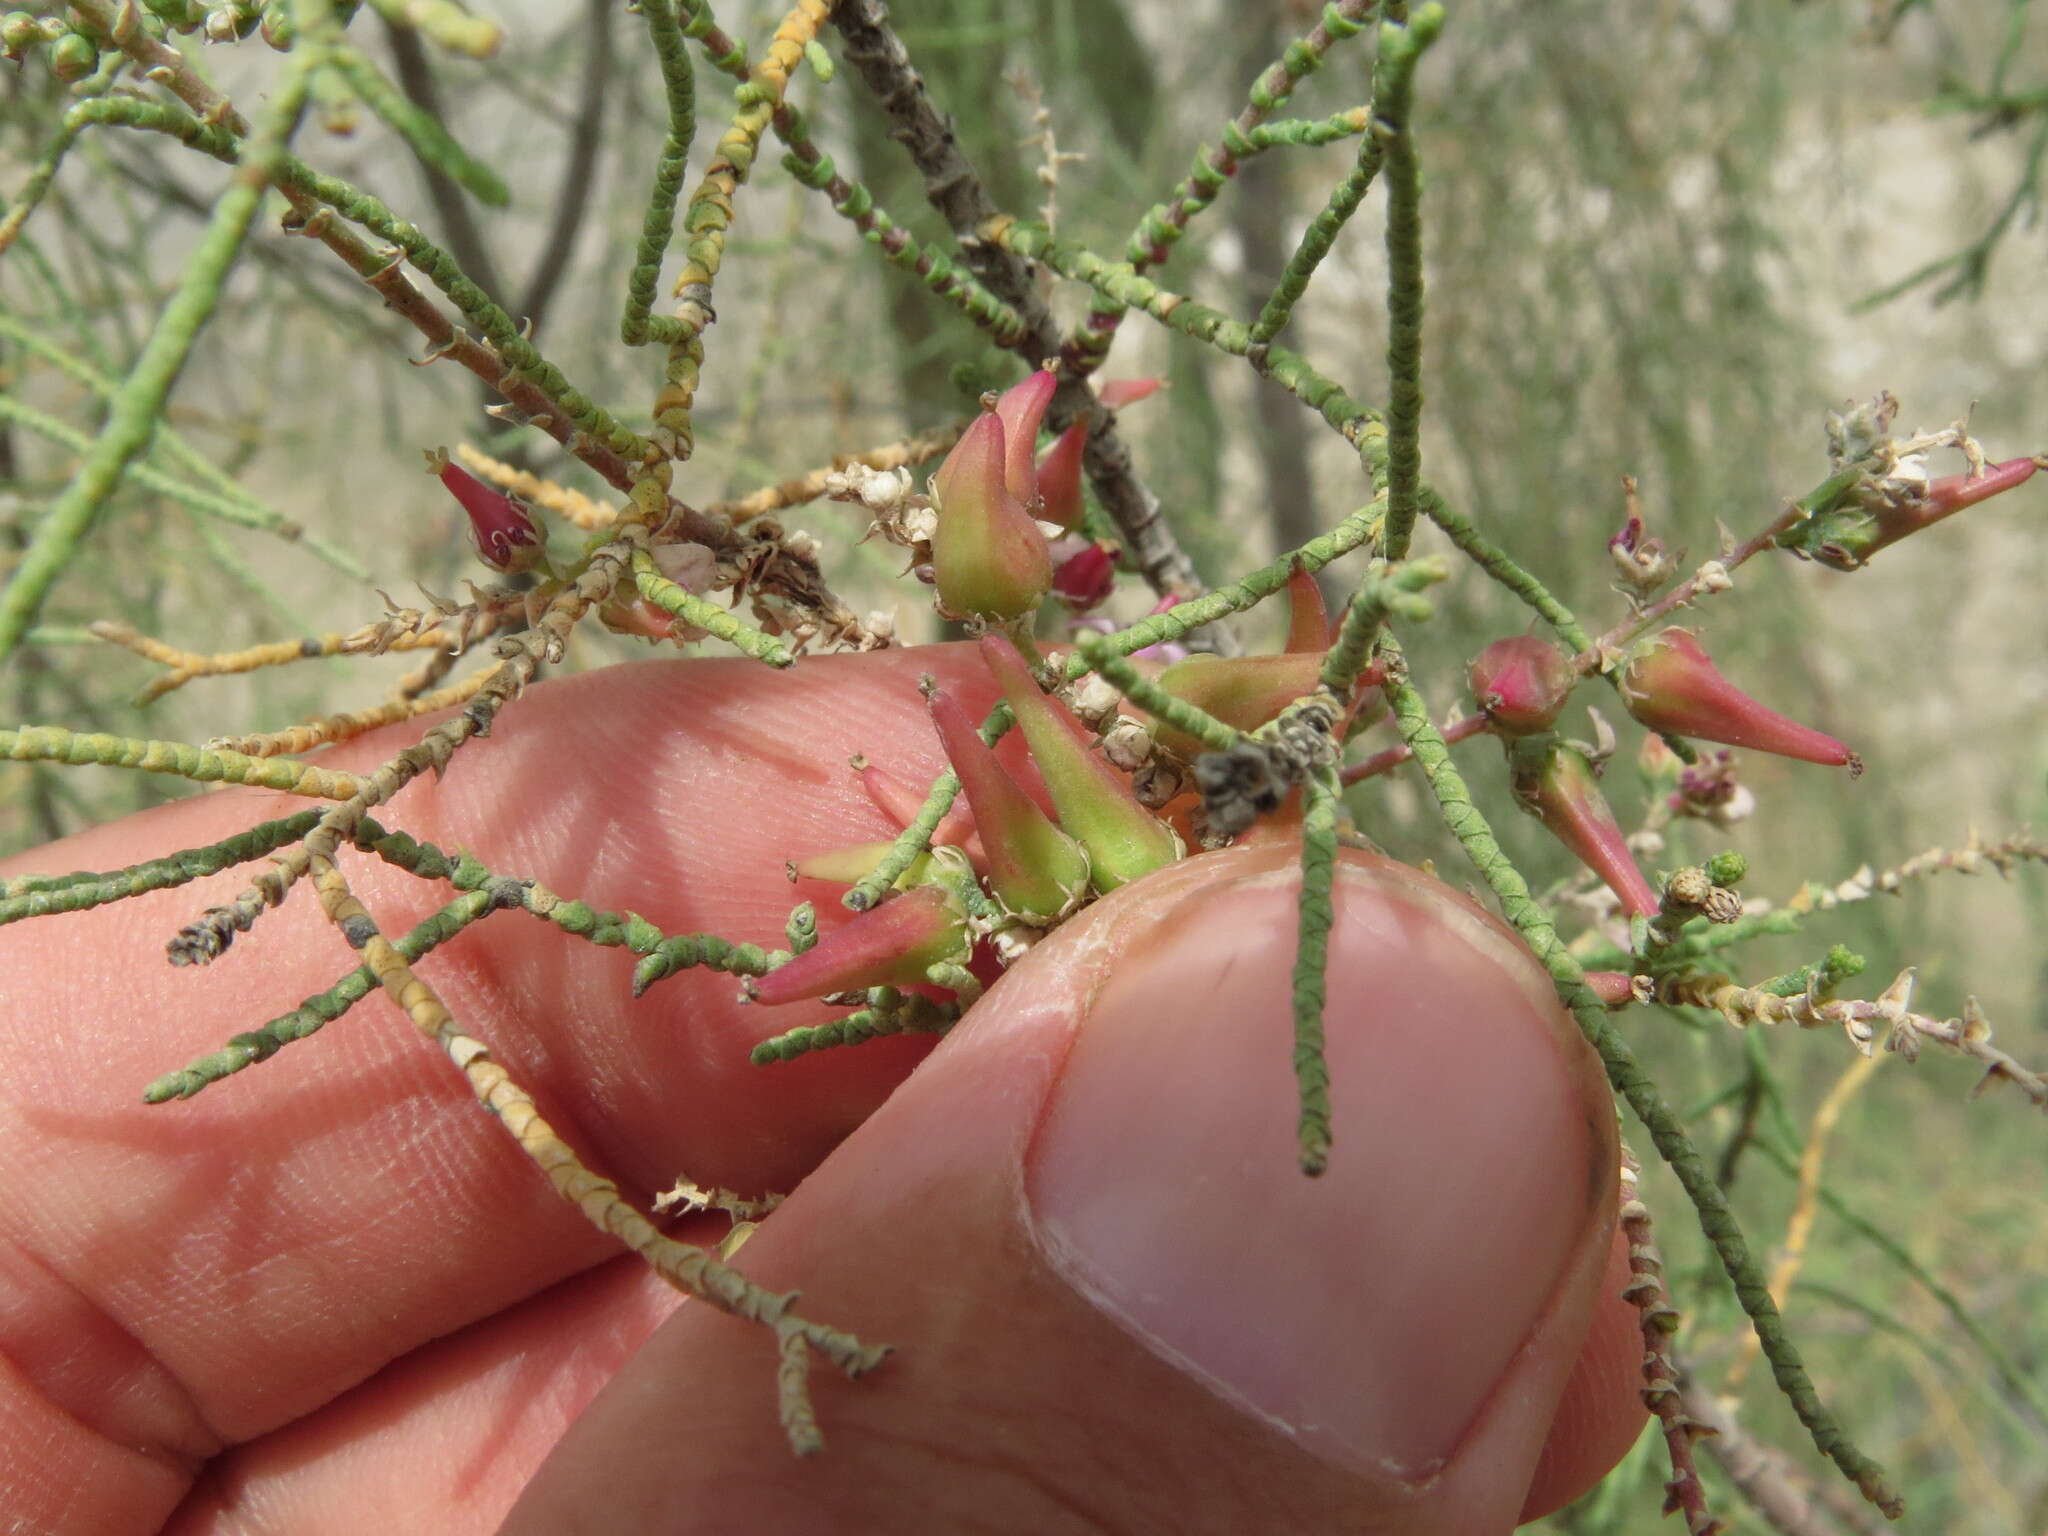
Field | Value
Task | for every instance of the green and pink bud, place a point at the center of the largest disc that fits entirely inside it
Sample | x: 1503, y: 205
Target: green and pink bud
x: 988, y: 555
x: 1022, y: 408
x: 1670, y: 686
x: 1555, y: 783
x: 1095, y: 804
x: 506, y: 535
x: 1244, y: 691
x: 1520, y: 684
x: 891, y: 945
x: 1036, y: 871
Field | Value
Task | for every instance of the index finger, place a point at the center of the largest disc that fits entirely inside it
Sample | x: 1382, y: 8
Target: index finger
x: 189, y: 1276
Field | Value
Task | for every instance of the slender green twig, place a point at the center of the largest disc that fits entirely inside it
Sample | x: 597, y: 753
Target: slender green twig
x: 1307, y: 132
x: 256, y: 513
x: 44, y: 173
x: 1189, y: 719
x: 1162, y: 225
x: 422, y: 131
x: 657, y: 226
x: 916, y: 838
x: 1311, y: 964
x: 688, y: 608
x: 1625, y: 1073
x: 55, y: 744
x: 1401, y: 47
x: 317, y: 1011
x: 447, y: 23
x: 709, y: 214
x: 1392, y: 94
x: 44, y: 895
x: 854, y: 203
x: 898, y: 1014
x: 133, y: 413
x: 1388, y: 591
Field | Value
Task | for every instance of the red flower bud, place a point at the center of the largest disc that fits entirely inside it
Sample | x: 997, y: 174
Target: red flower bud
x: 507, y: 538
x: 1554, y: 782
x: 1671, y: 686
x: 1022, y: 407
x: 1308, y: 617
x: 1059, y: 478
x: 1035, y: 869
x: 988, y: 556
x: 886, y: 946
x: 1096, y: 806
x: 1944, y: 498
x: 1087, y: 576
x: 1521, y: 684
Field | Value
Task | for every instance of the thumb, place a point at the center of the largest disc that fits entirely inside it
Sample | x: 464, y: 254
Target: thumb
x: 1119, y: 1304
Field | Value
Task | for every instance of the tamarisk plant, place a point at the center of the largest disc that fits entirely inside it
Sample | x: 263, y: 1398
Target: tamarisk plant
x: 1139, y: 763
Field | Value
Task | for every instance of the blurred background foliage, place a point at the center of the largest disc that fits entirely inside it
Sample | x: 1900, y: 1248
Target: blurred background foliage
x: 1649, y: 230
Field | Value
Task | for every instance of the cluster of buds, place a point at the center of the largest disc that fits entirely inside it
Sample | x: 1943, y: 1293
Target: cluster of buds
x: 999, y: 509
x: 959, y: 913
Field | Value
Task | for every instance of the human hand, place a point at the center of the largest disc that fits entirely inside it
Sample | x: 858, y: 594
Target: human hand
x: 331, y: 1295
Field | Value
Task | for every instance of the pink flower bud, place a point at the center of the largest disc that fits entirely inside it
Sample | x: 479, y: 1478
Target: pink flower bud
x: 1521, y: 684
x: 506, y: 536
x: 891, y: 945
x: 1554, y: 782
x: 1035, y: 869
x: 1115, y: 394
x: 1095, y: 803
x: 1617, y: 989
x: 1671, y: 686
x: 1022, y: 407
x: 988, y: 556
x: 1059, y: 478
x: 1087, y: 576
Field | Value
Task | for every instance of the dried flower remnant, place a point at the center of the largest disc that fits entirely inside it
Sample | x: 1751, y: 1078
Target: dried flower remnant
x: 1641, y: 560
x: 1671, y: 686
x: 507, y: 537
